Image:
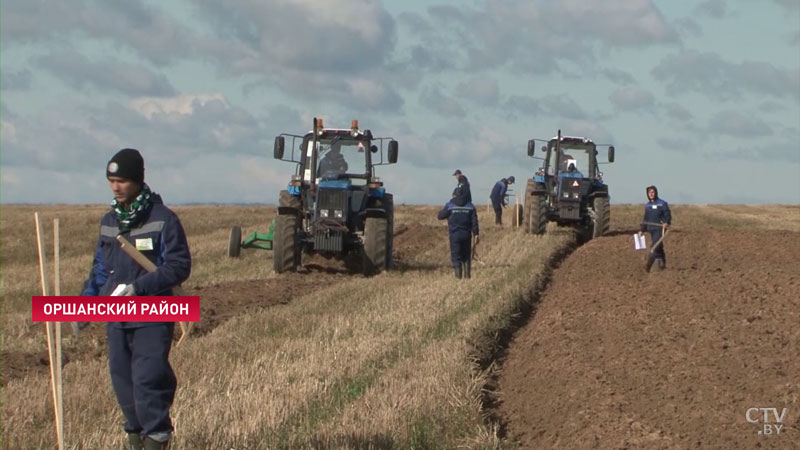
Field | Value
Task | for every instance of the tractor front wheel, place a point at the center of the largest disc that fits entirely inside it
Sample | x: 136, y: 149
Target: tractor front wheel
x: 285, y: 254
x: 537, y: 215
x: 602, y: 216
x: 375, y: 245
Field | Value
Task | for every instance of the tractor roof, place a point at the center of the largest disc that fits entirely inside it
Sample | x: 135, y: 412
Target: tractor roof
x: 573, y: 140
x: 344, y: 134
x: 352, y: 133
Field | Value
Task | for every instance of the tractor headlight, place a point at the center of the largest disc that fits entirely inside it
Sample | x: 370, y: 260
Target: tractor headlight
x: 566, y: 194
x: 337, y: 213
x: 576, y: 195
x: 323, y: 213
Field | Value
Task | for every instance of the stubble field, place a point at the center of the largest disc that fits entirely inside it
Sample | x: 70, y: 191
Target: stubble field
x: 415, y: 359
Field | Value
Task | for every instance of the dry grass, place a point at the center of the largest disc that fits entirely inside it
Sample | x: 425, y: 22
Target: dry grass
x: 764, y: 217
x: 384, y: 362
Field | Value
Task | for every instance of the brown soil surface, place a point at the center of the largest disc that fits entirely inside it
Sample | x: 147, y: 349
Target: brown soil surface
x: 220, y: 302
x: 614, y: 357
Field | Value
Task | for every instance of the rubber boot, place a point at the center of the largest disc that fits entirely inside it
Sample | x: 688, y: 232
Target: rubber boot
x: 661, y: 263
x: 467, y: 267
x: 458, y: 271
x: 135, y: 442
x: 648, y: 264
x: 152, y: 444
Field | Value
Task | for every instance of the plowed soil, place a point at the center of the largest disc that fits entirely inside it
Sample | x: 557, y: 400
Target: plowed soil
x: 615, y: 357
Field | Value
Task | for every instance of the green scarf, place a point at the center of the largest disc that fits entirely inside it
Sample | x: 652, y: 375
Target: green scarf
x: 130, y: 216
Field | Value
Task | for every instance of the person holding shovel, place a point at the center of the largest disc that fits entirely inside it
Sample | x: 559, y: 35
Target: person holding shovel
x: 462, y: 224
x: 657, y: 219
x: 498, y: 198
x: 138, y: 352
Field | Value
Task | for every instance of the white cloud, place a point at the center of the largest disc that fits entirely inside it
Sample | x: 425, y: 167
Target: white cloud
x: 563, y: 105
x: 482, y: 90
x: 8, y: 131
x: 715, y: 9
x: 181, y: 104
x: 330, y: 51
x: 632, y: 98
x: 535, y: 35
x: 738, y: 124
x: 19, y: 80
x: 709, y: 74
x: 110, y: 73
x: 135, y: 26
x: 434, y: 99
x: 677, y: 111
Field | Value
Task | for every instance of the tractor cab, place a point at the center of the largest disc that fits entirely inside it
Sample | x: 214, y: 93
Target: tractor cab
x: 570, y: 168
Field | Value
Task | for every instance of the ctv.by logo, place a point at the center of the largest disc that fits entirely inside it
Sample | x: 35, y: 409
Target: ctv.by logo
x: 767, y: 414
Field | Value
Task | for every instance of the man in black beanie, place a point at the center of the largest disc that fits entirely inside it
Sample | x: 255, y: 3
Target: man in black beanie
x: 138, y: 352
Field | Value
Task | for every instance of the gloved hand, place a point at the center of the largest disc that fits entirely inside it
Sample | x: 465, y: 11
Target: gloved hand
x: 129, y: 290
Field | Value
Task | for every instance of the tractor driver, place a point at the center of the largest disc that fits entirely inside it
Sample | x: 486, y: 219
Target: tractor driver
x: 333, y: 163
x: 570, y: 163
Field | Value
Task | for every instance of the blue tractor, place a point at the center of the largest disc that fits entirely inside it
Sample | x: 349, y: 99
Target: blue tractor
x: 568, y: 188
x: 335, y: 205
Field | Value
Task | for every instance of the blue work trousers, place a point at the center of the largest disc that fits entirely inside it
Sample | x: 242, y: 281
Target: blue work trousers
x: 142, y: 377
x: 658, y: 253
x: 460, y: 247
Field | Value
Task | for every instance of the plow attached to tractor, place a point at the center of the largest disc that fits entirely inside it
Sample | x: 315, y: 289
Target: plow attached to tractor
x: 255, y: 240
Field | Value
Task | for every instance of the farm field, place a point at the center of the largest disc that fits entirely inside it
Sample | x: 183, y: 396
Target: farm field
x: 602, y: 354
x: 618, y: 358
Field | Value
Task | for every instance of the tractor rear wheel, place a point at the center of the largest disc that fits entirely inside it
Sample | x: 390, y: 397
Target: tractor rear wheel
x: 375, y: 244
x: 537, y: 217
x: 235, y: 242
x: 528, y: 205
x: 285, y: 254
x: 388, y: 206
x: 602, y: 216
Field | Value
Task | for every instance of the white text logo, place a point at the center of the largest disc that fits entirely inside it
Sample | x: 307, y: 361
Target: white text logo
x: 770, y: 419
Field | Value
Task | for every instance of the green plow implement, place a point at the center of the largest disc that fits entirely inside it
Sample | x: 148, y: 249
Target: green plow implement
x: 255, y: 240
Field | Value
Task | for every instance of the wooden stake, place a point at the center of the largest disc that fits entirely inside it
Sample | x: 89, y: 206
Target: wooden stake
x: 40, y: 243
x: 57, y: 292
x: 49, y: 328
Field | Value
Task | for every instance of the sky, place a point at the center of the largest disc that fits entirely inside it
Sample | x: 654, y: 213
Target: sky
x: 701, y: 98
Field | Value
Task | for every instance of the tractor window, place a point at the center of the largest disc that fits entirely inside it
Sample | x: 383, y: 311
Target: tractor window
x: 341, y: 157
x: 552, y: 163
x: 575, y: 161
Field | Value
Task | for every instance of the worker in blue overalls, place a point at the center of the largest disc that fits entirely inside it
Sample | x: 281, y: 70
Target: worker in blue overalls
x: 138, y: 352
x: 462, y: 224
x: 657, y: 219
x: 498, y: 198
